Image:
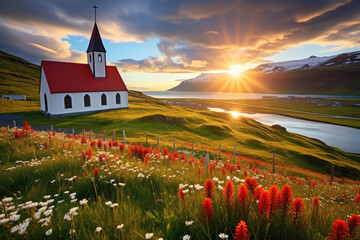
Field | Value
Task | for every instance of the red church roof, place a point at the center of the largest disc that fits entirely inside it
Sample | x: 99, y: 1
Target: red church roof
x: 63, y: 77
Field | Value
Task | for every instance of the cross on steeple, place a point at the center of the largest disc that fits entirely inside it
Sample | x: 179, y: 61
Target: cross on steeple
x: 95, y: 7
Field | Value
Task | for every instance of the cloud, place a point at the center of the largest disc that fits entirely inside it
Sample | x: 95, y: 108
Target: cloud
x: 195, y: 35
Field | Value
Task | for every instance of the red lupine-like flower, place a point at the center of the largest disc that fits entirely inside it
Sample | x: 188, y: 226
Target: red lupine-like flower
x: 251, y: 184
x: 207, y: 210
x: 241, y: 231
x: 83, y: 140
x: 92, y: 144
x: 285, y: 198
x: 89, y: 153
x: 353, y: 222
x: 316, y: 203
x: 274, y: 202
x: 257, y: 192
x: 96, y: 172
x: 357, y: 198
x: 105, y: 146
x: 199, y: 171
x: 339, y: 230
x: 245, y: 173
x: 209, y: 188
x: 243, y: 196
x: 313, y: 184
x: 110, y: 144
x: 181, y: 194
x: 264, y: 203
x: 99, y: 143
x: 83, y: 155
x: 223, y: 171
x: 146, y: 159
x: 297, y: 208
x: 122, y: 147
x: 228, y: 196
x: 211, y: 169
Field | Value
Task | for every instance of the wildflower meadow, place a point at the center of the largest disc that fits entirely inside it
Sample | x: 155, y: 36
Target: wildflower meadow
x: 59, y: 186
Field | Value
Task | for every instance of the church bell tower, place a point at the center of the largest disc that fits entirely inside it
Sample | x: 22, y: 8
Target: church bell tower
x: 96, y: 53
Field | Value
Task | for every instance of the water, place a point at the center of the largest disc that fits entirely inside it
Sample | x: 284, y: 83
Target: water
x: 344, y: 138
x: 220, y: 95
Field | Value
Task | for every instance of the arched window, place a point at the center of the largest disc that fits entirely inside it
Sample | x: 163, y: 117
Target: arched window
x: 67, y: 101
x: 118, y: 99
x: 87, y: 100
x: 46, y: 106
x: 103, y: 99
x: 99, y: 58
x: 90, y: 57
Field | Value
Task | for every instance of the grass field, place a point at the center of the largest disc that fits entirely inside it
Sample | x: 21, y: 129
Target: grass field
x: 49, y: 190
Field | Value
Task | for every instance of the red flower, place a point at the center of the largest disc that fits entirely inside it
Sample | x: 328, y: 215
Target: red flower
x: 245, y: 173
x: 274, y: 203
x: 264, y: 203
x: 223, y: 171
x: 146, y: 159
x: 105, y: 146
x: 209, y: 188
x: 211, y: 169
x: 313, y: 184
x: 297, y: 208
x: 92, y: 144
x: 257, y: 192
x: 199, y: 171
x: 241, y: 231
x: 99, y: 143
x: 207, y: 210
x: 353, y: 222
x: 181, y: 195
x: 339, y: 230
x: 83, y: 140
x: 316, y: 203
x: 285, y: 198
x: 243, y: 196
x: 89, y: 153
x: 122, y: 147
x: 228, y: 196
x: 96, y: 172
x: 83, y: 155
x: 357, y: 198
x: 251, y: 184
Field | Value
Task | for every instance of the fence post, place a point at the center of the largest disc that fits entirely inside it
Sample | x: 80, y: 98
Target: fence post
x: 83, y: 132
x: 73, y: 132
x: 90, y: 134
x: 52, y: 128
x: 113, y: 138
x: 207, y: 161
x: 220, y: 150
x: 174, y: 145
x: 158, y: 142
x: 104, y: 135
x: 274, y: 163
x: 7, y: 128
x: 234, y: 153
x: 124, y: 138
x: 14, y: 123
x: 332, y: 172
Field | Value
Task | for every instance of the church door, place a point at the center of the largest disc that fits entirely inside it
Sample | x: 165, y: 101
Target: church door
x: 46, y: 106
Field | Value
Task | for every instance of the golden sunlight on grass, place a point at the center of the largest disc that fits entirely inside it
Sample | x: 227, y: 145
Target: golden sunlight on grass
x: 235, y: 114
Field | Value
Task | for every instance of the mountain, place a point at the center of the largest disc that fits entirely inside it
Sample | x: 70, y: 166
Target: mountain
x: 339, y: 74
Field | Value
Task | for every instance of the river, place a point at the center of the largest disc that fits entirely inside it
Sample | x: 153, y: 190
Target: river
x: 344, y: 138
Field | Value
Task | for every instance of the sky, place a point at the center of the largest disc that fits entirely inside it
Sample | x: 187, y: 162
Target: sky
x: 156, y: 43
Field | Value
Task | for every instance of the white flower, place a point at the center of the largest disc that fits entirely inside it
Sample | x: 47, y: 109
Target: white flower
x: 4, y: 220
x: 14, y: 218
x: 160, y: 239
x: 223, y: 236
x: 52, y: 181
x: 120, y: 226
x: 186, y: 237
x: 48, y: 232
x: 228, y: 177
x: 121, y: 184
x: 98, y: 229
x: 114, y: 205
x: 149, y: 235
x: 84, y: 201
x: 188, y: 223
x: 72, y: 231
x: 8, y: 199
x: 108, y: 203
x: 47, y: 196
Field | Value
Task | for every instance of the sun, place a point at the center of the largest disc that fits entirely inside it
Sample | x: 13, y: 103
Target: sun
x: 236, y: 70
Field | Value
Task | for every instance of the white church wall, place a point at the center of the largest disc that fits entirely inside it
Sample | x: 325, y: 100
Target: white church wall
x: 78, y: 105
x: 44, y: 89
x: 100, y: 66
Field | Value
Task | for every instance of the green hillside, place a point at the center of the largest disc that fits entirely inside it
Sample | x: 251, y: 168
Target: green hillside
x: 152, y: 118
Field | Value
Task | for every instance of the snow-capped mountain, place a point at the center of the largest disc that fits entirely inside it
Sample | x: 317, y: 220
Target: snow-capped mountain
x: 339, y: 74
x: 311, y: 62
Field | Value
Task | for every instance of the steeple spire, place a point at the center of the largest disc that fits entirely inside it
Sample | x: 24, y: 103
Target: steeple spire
x: 95, y: 7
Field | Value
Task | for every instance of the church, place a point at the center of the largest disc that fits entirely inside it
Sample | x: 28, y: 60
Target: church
x: 74, y: 88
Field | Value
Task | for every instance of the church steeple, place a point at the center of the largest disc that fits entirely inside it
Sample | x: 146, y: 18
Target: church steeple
x: 96, y: 52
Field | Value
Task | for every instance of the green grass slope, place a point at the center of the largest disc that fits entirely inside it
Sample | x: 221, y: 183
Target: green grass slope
x: 152, y: 118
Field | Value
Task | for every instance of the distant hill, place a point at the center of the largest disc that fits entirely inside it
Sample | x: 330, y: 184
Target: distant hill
x: 338, y: 74
x: 19, y: 77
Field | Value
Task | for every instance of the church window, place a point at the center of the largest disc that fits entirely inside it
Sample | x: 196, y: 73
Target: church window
x: 118, y: 99
x: 103, y: 99
x: 87, y: 100
x: 99, y: 58
x: 67, y: 101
